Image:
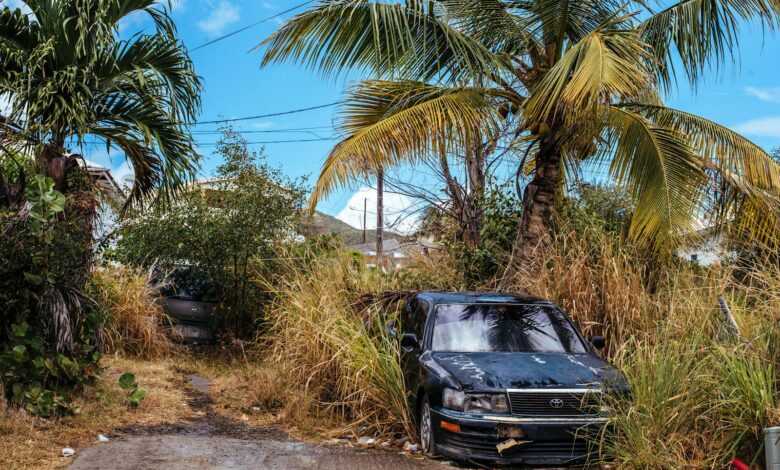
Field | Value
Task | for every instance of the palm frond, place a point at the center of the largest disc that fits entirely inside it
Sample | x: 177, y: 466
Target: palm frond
x: 662, y: 173
x: 385, y: 38
x: 389, y: 123
x: 702, y: 33
x: 604, y: 65
x: 745, y: 179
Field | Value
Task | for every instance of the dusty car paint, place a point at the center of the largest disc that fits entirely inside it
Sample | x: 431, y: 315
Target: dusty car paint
x: 539, y: 438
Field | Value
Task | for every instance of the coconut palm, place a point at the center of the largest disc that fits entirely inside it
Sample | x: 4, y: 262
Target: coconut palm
x: 576, y: 83
x: 70, y: 79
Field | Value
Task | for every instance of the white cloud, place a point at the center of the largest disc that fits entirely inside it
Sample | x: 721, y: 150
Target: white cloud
x: 771, y: 95
x: 399, y: 211
x: 222, y: 15
x: 763, y: 127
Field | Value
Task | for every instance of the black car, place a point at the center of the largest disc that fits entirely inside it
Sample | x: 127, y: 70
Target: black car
x: 189, y: 297
x: 505, y: 379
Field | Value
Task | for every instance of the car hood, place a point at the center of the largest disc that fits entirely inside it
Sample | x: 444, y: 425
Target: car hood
x: 486, y: 371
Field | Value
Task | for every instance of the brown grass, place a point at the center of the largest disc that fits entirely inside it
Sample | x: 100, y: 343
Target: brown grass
x: 134, y: 322
x: 29, y: 442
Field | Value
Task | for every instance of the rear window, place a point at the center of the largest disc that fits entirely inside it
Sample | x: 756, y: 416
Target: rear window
x: 504, y: 328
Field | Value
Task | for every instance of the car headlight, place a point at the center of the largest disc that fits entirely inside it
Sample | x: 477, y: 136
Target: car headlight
x: 486, y: 403
x: 453, y: 399
x: 475, y: 402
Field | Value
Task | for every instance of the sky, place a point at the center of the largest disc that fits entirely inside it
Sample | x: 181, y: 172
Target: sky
x: 744, y: 96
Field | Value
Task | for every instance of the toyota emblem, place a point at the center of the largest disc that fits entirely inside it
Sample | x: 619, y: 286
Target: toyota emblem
x: 556, y: 403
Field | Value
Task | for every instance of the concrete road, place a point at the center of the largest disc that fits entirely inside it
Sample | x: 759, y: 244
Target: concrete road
x: 219, y: 442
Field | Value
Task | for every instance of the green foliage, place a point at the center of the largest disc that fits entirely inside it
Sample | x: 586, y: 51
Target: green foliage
x: 135, y: 394
x: 45, y: 354
x: 598, y: 209
x: 501, y: 211
x: 228, y: 228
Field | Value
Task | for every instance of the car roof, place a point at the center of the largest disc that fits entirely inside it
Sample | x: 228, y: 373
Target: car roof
x: 443, y: 297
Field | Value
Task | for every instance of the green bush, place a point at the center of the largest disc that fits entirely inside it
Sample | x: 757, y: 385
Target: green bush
x: 228, y: 229
x: 49, y: 331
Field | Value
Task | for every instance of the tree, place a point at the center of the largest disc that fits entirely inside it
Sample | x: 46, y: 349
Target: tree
x: 69, y: 77
x: 571, y: 82
x: 229, y: 228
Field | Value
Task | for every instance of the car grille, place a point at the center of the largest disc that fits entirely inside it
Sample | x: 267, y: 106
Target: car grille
x: 554, y: 403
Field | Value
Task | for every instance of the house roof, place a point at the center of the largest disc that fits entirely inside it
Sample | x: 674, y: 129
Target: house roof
x: 103, y: 178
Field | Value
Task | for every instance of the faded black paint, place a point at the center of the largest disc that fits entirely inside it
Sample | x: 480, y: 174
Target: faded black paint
x: 428, y: 373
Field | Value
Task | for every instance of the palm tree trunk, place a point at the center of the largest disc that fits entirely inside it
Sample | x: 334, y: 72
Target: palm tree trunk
x: 535, y: 229
x: 380, y: 189
x: 472, y: 204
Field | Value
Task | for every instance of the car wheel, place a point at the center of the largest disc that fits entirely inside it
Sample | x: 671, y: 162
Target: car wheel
x: 427, y: 441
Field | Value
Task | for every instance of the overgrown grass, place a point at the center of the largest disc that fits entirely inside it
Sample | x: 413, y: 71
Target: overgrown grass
x: 134, y: 322
x: 340, y: 359
x: 699, y: 396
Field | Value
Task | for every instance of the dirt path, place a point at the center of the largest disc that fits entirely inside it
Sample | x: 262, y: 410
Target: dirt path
x: 214, y: 441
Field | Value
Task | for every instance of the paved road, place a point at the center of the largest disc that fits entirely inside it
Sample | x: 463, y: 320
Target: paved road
x: 174, y: 452
x: 214, y: 441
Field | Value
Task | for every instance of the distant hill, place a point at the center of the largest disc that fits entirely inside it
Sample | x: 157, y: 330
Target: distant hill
x: 320, y: 224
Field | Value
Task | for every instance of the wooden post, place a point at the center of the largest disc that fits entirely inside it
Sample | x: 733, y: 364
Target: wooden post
x: 380, y: 187
x: 365, y: 210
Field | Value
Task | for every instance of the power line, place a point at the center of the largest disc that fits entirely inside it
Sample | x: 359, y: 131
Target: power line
x: 241, y: 30
x: 266, y: 131
x: 261, y: 116
x: 291, y: 141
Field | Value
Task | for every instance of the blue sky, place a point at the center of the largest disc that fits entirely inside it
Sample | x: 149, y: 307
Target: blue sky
x: 745, y: 97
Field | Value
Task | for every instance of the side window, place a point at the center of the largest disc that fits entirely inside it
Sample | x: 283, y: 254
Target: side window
x: 420, y: 314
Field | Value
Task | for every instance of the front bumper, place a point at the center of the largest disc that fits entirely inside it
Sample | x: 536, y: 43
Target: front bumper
x: 545, y: 441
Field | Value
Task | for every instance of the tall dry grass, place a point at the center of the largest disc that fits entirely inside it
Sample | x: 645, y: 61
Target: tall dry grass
x: 134, y: 322
x: 699, y: 397
x: 345, y: 367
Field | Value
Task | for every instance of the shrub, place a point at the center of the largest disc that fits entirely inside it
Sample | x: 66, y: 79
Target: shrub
x: 49, y: 330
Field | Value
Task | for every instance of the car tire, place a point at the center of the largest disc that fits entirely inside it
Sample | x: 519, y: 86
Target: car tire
x: 425, y: 429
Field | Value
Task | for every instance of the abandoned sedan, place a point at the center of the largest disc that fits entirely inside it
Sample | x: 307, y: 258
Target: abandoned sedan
x: 503, y: 379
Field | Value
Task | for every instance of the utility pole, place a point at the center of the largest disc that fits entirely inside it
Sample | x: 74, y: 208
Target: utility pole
x: 365, y: 209
x: 380, y: 188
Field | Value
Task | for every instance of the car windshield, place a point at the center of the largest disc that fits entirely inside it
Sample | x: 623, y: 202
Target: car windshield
x: 504, y: 328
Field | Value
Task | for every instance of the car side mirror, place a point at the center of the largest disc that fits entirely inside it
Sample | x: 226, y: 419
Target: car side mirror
x: 409, y: 342
x: 390, y: 329
x: 598, y: 342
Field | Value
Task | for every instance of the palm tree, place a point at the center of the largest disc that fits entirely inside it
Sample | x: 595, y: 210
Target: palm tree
x: 575, y: 83
x: 69, y: 78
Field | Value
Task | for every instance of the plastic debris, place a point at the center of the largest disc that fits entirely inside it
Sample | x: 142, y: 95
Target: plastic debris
x: 409, y: 447
x: 508, y: 444
x: 68, y: 452
x: 738, y: 464
x: 366, y: 441
x: 102, y: 438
